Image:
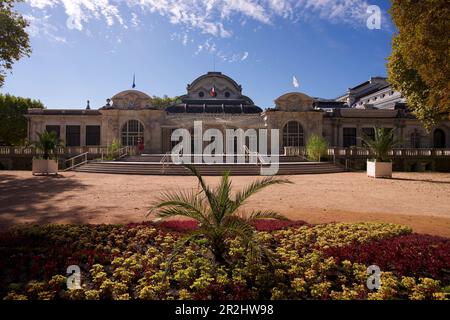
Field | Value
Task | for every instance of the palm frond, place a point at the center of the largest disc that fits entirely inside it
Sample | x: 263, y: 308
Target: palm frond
x: 181, y: 203
x: 222, y: 195
x: 208, y: 193
x: 234, y: 225
x: 266, y: 214
x: 382, y: 143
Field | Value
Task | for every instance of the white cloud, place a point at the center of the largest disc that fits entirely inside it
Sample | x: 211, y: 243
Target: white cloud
x: 212, y: 17
x: 41, y: 4
x: 80, y: 12
x: 39, y: 26
x: 135, y: 21
x: 244, y: 56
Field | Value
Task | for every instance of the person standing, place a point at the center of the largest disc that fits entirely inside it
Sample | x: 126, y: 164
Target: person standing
x: 140, y: 146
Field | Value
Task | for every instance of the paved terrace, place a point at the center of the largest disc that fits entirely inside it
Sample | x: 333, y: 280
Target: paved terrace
x: 421, y: 200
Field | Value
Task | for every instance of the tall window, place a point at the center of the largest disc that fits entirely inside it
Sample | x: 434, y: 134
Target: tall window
x: 132, y: 131
x: 349, y: 137
x: 92, y: 135
x: 415, y: 139
x: 439, y: 138
x: 293, y: 134
x: 73, y: 136
x: 55, y: 129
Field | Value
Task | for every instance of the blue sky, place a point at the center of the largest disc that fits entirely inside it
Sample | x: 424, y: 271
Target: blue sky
x: 89, y: 49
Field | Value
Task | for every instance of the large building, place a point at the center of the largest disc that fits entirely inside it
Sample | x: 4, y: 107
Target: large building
x: 218, y: 101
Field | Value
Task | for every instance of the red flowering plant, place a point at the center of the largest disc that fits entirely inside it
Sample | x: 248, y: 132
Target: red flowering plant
x: 414, y: 255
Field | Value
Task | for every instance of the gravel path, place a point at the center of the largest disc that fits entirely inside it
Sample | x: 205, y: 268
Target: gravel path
x: 421, y: 200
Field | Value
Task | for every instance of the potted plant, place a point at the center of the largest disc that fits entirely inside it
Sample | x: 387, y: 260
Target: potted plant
x: 48, y: 143
x: 383, y: 142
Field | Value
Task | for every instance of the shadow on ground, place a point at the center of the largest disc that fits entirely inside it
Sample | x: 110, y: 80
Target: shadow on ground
x: 422, y: 180
x: 32, y: 200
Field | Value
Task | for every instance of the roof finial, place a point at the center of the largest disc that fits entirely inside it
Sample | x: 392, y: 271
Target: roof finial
x: 88, y: 107
x: 134, y: 81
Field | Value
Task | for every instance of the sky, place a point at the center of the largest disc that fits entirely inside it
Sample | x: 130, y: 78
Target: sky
x: 90, y: 49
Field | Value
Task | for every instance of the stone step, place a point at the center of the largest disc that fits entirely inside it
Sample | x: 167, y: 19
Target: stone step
x: 159, y: 157
x: 155, y: 168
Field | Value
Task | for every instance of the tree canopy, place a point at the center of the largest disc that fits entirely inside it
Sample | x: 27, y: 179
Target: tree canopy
x: 419, y: 66
x: 164, y: 101
x: 14, y: 40
x: 13, y: 126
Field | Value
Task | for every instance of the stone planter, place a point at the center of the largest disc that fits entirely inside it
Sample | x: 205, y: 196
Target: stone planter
x: 377, y: 169
x: 41, y: 166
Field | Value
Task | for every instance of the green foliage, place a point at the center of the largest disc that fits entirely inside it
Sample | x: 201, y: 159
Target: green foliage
x: 382, y: 143
x: 113, y: 149
x: 164, y: 102
x: 216, y: 212
x: 48, y: 143
x: 14, y: 41
x: 316, y: 147
x: 13, y: 128
x: 419, y: 66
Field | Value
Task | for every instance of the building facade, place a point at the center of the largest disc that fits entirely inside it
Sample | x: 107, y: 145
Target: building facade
x: 218, y: 101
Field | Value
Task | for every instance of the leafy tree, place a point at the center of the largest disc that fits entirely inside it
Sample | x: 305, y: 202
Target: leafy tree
x: 216, y: 212
x: 48, y: 142
x: 419, y: 66
x: 382, y: 143
x: 316, y: 147
x: 113, y: 149
x: 14, y: 41
x: 163, y: 102
x: 13, y: 128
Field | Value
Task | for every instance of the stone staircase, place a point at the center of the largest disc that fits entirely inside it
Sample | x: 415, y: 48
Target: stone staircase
x: 151, y: 165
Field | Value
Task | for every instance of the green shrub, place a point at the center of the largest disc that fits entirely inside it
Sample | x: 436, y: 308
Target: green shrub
x: 113, y: 149
x: 316, y: 147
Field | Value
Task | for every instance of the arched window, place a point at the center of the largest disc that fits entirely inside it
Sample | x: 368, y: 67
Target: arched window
x: 132, y: 131
x: 293, y: 134
x: 439, y: 139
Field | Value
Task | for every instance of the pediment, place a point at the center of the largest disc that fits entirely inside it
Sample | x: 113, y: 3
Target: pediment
x: 131, y: 99
x: 295, y: 101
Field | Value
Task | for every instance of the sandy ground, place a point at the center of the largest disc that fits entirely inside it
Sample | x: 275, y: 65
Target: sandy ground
x: 420, y: 200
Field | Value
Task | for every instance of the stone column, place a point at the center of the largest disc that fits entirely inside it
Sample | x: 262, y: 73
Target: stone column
x: 83, y: 134
x: 358, y: 134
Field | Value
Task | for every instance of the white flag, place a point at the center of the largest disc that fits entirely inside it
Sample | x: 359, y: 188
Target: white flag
x: 295, y: 82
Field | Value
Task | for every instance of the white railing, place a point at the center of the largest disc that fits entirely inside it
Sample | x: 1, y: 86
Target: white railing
x: 164, y: 161
x: 122, y: 152
x: 340, y: 152
x: 74, y: 164
x: 32, y: 151
x: 256, y: 154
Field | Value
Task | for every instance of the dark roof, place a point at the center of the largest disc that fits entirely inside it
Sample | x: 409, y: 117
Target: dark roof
x: 322, y: 103
x: 367, y: 82
x: 67, y: 112
x: 214, y: 108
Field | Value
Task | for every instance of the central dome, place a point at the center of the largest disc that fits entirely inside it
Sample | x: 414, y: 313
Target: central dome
x: 214, y: 92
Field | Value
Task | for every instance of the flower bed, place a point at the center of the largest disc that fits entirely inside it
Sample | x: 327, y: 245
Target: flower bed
x: 309, y: 262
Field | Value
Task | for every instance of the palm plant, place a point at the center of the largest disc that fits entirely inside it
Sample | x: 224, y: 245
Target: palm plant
x: 217, y: 214
x: 48, y: 142
x: 381, y: 144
